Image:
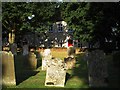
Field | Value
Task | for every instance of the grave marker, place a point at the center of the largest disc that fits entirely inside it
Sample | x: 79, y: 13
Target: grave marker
x: 25, y: 50
x: 97, y: 68
x: 31, y: 61
x: 71, y: 51
x: 46, y: 58
x: 70, y: 62
x: 14, y: 48
x: 8, y: 69
x: 56, y: 73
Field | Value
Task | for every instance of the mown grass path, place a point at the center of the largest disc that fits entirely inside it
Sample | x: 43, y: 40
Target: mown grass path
x: 75, y: 78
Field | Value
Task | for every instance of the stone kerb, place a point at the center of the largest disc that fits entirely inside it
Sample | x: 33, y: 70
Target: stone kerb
x: 97, y: 68
x: 56, y: 73
x: 8, y: 69
x: 46, y: 57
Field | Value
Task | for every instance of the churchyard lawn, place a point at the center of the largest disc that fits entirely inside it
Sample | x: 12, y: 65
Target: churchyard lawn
x: 75, y: 78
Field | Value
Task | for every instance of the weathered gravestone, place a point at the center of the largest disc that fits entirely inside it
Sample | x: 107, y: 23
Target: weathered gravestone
x: 97, y: 68
x: 30, y: 61
x: 70, y: 62
x: 71, y: 51
x: 56, y: 73
x: 25, y: 50
x: 46, y: 58
x: 8, y: 69
x: 14, y: 48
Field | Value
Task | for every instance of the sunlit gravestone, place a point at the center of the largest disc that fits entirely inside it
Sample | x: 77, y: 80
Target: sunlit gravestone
x: 71, y: 51
x: 97, y: 68
x: 8, y: 69
x: 70, y: 62
x: 46, y: 57
x: 30, y: 61
x: 14, y: 48
x: 56, y: 73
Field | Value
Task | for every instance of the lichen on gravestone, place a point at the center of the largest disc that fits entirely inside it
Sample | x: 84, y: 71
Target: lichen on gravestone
x: 56, y: 72
x: 97, y: 68
x: 8, y: 69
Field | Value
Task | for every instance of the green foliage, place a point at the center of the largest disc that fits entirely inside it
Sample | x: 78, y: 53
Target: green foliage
x: 15, y: 15
x: 92, y: 20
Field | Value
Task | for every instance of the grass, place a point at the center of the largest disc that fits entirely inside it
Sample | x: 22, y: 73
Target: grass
x: 75, y: 78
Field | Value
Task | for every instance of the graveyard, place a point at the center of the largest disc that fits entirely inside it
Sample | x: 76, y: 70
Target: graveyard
x: 25, y: 78
x: 60, y: 45
x: 31, y: 75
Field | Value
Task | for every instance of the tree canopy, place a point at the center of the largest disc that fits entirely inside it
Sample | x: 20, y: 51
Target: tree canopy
x: 92, y: 21
x: 96, y: 20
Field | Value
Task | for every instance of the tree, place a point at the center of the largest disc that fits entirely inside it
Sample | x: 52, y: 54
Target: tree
x: 93, y: 21
x: 23, y: 17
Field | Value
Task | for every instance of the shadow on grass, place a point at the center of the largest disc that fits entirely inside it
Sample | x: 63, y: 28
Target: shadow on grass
x: 80, y: 70
x: 114, y: 70
x: 67, y: 77
x: 21, y: 73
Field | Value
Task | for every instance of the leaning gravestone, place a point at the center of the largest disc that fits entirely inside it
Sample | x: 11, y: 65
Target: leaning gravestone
x: 30, y: 61
x: 70, y: 62
x: 56, y: 73
x: 71, y: 51
x: 46, y: 58
x: 8, y: 69
x: 97, y: 68
x: 25, y: 50
x: 14, y: 48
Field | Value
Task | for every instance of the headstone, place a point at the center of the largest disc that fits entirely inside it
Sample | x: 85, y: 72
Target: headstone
x: 97, y: 68
x: 46, y: 58
x: 25, y: 50
x: 70, y: 62
x: 71, y: 51
x: 56, y: 73
x: 14, y: 48
x: 31, y: 61
x: 8, y: 69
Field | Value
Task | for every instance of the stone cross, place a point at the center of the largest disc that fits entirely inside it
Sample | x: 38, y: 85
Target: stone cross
x: 56, y: 73
x: 8, y: 69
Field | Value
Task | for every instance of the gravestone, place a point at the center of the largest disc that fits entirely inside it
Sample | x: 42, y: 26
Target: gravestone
x: 71, y: 51
x: 8, y: 69
x: 70, y: 62
x: 97, y: 68
x: 25, y: 50
x: 46, y: 58
x: 30, y: 61
x: 56, y: 73
x: 14, y: 48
